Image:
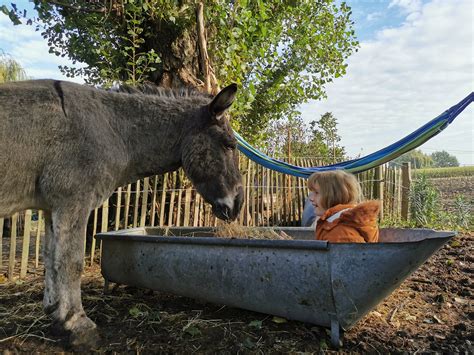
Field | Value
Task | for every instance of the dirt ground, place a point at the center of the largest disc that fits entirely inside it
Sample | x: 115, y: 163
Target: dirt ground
x: 432, y: 311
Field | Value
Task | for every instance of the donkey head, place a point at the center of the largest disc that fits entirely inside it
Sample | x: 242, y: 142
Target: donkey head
x: 210, y: 160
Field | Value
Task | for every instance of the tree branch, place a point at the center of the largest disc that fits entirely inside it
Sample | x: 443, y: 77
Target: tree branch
x: 203, y: 56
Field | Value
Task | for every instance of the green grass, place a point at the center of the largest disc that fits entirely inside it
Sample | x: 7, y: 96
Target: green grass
x: 431, y: 173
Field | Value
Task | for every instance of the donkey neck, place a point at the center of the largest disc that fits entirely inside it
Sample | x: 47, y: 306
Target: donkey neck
x: 152, y: 130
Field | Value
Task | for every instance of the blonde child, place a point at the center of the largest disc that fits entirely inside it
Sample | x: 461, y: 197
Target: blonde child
x: 336, y: 197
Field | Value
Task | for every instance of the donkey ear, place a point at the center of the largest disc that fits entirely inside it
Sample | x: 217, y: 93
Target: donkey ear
x: 223, y: 101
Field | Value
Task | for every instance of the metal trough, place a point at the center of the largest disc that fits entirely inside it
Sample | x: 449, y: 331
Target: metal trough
x: 331, y: 285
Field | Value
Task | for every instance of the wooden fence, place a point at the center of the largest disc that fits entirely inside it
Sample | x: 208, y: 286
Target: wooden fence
x: 271, y: 199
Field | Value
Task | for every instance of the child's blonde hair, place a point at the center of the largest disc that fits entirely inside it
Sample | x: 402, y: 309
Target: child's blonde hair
x: 336, y: 187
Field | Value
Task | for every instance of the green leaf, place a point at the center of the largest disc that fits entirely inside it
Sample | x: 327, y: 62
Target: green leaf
x: 192, y: 330
x: 256, y: 324
x: 5, y: 10
x: 135, y: 312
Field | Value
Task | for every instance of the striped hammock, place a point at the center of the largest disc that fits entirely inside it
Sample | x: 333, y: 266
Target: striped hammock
x: 412, y: 141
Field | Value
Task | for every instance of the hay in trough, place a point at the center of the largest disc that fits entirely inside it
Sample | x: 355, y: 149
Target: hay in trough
x: 236, y: 231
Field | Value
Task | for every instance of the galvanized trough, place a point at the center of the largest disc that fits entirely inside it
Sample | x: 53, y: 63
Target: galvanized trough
x: 331, y: 285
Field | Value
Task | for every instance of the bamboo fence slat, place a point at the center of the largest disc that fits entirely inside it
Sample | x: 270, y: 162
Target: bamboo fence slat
x: 146, y: 186
x: 135, y: 207
x: 39, y: 228
x: 118, y: 208
x: 171, y: 207
x: 25, y: 251
x: 187, y: 207
x: 163, y: 200
x: 126, y: 212
x: 153, y: 202
x: 11, y: 259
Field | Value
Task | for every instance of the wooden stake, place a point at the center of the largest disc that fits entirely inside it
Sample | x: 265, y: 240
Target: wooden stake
x: 11, y: 261
x: 26, y: 244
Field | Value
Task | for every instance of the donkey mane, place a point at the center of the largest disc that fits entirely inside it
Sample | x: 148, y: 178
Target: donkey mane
x: 152, y: 89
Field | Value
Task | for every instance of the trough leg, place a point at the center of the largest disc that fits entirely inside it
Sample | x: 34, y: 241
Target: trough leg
x: 64, y: 255
x: 335, y: 333
x: 106, y: 287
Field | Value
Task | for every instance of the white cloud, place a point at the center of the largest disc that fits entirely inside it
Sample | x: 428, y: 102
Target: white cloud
x: 373, y: 16
x: 405, y: 77
x: 28, y: 48
x: 408, y: 6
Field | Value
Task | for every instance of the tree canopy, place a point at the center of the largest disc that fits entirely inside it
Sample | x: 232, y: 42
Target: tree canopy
x: 417, y: 159
x: 319, y: 139
x: 443, y: 159
x: 281, y: 52
x: 10, y: 69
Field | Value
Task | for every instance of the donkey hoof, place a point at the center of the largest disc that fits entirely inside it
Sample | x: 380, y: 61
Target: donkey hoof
x: 83, y: 332
x: 84, y: 339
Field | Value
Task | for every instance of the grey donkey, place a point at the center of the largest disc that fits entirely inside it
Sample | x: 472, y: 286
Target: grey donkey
x: 65, y: 147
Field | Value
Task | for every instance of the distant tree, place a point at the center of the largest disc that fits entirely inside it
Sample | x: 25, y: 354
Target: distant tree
x: 417, y: 159
x: 10, y: 70
x: 444, y: 159
x: 319, y: 139
x: 325, y: 139
x: 285, y: 136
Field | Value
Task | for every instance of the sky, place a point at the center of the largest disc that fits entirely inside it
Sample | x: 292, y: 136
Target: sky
x: 415, y: 61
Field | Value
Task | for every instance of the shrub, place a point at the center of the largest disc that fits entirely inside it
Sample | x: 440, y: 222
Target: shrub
x: 425, y: 207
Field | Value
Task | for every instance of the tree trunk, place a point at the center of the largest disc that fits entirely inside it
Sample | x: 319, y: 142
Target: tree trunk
x: 184, y: 58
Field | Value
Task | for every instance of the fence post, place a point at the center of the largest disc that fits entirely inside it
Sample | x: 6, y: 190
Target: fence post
x: 378, y: 187
x: 406, y: 183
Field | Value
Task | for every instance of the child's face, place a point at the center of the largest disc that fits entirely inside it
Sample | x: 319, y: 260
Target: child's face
x: 315, y: 198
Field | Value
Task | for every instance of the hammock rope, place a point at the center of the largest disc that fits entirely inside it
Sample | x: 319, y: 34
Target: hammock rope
x: 410, y: 142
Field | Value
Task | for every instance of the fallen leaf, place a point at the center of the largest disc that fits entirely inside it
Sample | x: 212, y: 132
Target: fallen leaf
x: 279, y: 320
x: 455, y: 244
x: 3, y: 279
x: 460, y: 300
x: 410, y: 317
x: 377, y: 314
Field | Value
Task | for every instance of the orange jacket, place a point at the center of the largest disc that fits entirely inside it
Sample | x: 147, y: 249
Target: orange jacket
x: 350, y: 223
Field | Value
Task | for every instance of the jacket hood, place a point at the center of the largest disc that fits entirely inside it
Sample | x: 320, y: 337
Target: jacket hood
x: 362, y: 217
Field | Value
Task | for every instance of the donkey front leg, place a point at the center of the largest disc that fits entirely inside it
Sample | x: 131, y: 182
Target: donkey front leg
x: 64, y: 256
